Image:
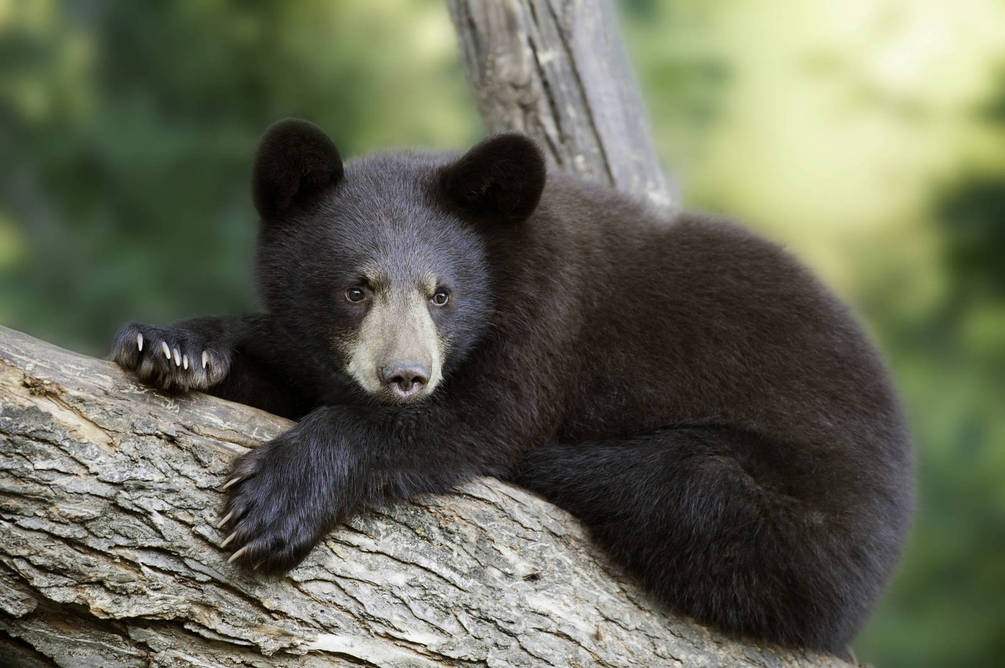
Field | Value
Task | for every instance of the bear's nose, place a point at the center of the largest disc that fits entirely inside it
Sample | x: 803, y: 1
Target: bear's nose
x: 404, y: 379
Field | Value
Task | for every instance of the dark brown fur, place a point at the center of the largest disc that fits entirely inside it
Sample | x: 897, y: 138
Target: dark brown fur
x: 710, y: 411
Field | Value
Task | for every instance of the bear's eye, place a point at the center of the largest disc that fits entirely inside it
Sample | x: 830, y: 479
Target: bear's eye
x: 355, y: 295
x: 440, y: 298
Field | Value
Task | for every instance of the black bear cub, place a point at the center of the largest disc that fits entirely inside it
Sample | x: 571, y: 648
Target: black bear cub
x: 714, y: 416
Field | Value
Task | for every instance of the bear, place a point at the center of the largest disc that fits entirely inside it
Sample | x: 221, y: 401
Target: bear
x: 715, y: 417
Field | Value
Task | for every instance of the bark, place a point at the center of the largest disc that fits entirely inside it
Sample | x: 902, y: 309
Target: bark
x: 109, y: 492
x: 557, y: 71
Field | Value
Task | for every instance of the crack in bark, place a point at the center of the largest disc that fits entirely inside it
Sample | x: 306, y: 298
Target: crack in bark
x: 604, y: 159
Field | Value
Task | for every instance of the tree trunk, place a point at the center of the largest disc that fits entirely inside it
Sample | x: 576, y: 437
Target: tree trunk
x: 109, y: 493
x: 557, y: 71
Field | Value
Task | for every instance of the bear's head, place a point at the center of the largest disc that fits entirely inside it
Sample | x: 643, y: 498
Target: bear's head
x: 377, y: 267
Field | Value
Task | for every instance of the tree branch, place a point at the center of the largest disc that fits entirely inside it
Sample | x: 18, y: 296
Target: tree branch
x: 109, y: 493
x: 557, y: 71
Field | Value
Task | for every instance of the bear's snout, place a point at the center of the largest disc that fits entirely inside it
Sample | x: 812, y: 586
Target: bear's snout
x: 403, y: 380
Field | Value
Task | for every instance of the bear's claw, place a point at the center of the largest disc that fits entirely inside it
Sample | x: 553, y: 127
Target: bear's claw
x: 164, y: 356
x: 268, y: 522
x: 230, y: 483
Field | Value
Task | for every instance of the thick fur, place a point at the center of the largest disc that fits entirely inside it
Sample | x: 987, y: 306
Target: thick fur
x: 711, y: 412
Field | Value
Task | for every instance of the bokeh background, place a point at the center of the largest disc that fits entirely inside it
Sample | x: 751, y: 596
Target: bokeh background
x: 866, y: 135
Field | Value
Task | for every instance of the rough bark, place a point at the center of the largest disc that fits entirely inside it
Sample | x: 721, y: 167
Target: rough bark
x: 557, y: 71
x: 109, y: 493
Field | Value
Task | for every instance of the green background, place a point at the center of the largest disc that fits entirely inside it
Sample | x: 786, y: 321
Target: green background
x: 867, y: 136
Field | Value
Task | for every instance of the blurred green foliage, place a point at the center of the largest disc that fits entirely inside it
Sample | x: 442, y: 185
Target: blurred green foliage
x: 128, y: 131
x: 867, y: 136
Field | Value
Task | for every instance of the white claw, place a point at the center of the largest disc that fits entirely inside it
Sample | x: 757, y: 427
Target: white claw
x: 177, y: 357
x: 139, y: 343
x: 165, y: 350
x: 184, y: 361
x: 205, y: 359
x: 237, y: 555
x: 232, y: 481
x: 219, y: 525
x: 227, y: 540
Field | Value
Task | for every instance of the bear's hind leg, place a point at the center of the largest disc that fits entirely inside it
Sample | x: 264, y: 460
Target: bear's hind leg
x: 723, y: 527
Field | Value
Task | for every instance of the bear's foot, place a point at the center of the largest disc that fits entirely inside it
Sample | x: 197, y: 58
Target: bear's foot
x: 270, y: 514
x: 171, y: 358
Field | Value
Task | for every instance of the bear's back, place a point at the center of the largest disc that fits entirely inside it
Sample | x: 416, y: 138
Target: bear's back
x: 690, y: 319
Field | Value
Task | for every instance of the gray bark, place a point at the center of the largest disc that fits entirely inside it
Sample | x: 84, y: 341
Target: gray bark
x: 109, y: 492
x: 557, y: 71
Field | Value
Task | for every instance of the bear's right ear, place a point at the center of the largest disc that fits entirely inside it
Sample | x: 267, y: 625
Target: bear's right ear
x: 500, y: 178
x: 295, y: 161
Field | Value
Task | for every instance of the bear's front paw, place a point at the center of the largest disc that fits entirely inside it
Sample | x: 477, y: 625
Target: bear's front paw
x: 170, y: 358
x: 274, y: 516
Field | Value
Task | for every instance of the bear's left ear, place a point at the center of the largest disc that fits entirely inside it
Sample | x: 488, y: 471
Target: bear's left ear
x: 502, y: 178
x: 295, y: 161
